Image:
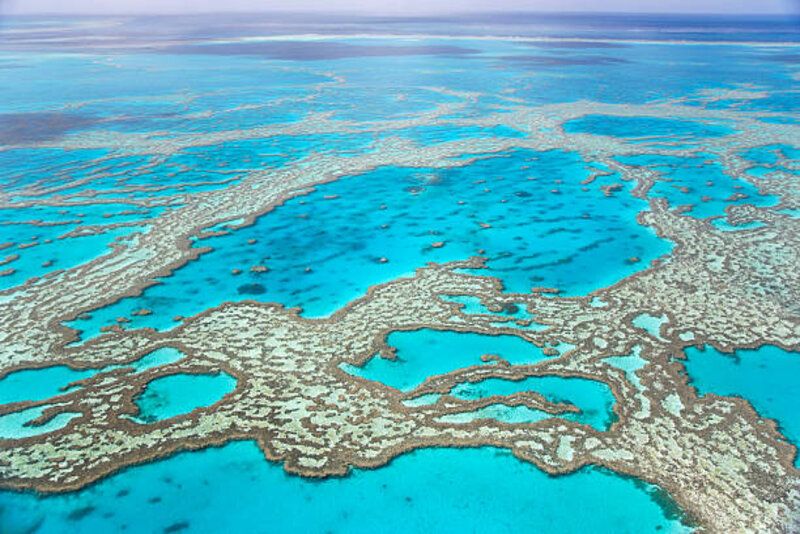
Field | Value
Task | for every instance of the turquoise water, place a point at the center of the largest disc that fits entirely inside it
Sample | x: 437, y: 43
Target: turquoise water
x: 647, y: 129
x: 515, y: 415
x: 594, y: 399
x: 427, y: 135
x: 794, y: 213
x: 38, y: 384
x: 45, y: 257
x: 768, y: 154
x: 629, y: 363
x: 15, y: 425
x: 766, y: 377
x: 325, y: 249
x: 178, y: 394
x: 725, y: 226
x: 233, y: 489
x: 650, y: 323
x: 157, y: 358
x: 767, y: 160
x: 163, y: 398
x: 425, y: 353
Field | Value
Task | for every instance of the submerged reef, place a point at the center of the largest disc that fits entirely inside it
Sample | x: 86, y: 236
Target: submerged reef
x: 728, y: 468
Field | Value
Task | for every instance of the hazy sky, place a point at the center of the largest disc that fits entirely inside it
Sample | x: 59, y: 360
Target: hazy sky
x: 406, y: 7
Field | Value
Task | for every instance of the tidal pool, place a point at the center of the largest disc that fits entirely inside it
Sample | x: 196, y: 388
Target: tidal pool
x: 46, y: 382
x: 233, y: 488
x: 178, y: 394
x: 594, y: 399
x: 425, y: 353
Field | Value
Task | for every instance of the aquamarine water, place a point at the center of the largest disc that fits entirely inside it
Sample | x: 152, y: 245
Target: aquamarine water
x: 650, y: 323
x: 44, y: 257
x: 766, y: 377
x: 38, y: 384
x: 766, y: 159
x: 425, y: 353
x: 234, y: 489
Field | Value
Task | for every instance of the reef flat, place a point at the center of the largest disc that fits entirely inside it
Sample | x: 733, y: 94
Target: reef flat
x: 689, y: 183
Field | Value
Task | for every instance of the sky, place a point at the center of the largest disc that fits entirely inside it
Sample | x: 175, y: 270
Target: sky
x: 401, y: 7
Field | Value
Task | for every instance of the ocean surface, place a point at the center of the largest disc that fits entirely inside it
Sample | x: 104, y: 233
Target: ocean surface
x: 540, y: 218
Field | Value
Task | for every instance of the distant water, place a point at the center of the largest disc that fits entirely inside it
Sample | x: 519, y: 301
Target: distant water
x: 234, y: 489
x: 646, y: 128
x: 624, y: 26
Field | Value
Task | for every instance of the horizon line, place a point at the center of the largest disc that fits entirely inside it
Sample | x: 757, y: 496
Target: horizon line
x: 361, y: 14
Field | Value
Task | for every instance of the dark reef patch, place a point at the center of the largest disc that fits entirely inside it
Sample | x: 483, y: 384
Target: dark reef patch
x: 80, y: 513
x: 251, y: 289
x: 18, y: 128
x: 792, y: 59
x: 177, y: 527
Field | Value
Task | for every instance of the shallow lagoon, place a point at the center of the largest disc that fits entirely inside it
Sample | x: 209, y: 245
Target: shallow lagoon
x: 698, y: 181
x: 43, y: 257
x: 234, y: 488
x: 766, y: 377
x: 594, y: 399
x: 178, y: 394
x: 16, y: 425
x: 526, y: 212
x: 425, y: 353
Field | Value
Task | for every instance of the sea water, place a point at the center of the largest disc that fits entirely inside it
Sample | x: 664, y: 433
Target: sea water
x: 233, y: 488
x: 574, y: 239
